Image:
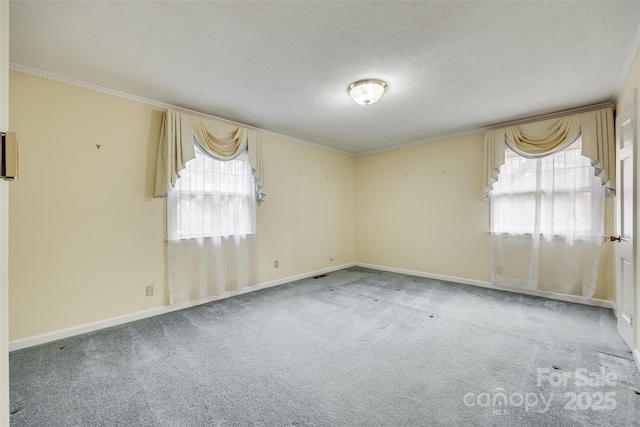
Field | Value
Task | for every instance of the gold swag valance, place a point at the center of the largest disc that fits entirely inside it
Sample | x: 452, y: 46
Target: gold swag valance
x: 542, y: 138
x: 219, y: 140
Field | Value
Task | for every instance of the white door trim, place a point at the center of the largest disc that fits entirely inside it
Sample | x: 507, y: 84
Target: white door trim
x: 4, y: 222
x: 625, y: 258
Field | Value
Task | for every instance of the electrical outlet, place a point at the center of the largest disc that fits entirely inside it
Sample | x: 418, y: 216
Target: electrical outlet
x: 331, y: 256
x: 276, y: 264
x: 149, y: 290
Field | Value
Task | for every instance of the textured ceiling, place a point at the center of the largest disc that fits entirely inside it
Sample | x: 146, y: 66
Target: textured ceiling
x: 285, y: 66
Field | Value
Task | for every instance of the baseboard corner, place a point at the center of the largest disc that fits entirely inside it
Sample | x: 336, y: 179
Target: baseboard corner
x: 595, y: 302
x: 434, y: 276
x: 304, y: 275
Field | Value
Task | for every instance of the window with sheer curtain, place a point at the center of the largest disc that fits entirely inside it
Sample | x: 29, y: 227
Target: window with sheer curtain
x: 553, y: 195
x: 211, y: 173
x: 212, y: 248
x: 547, y: 218
x: 213, y: 198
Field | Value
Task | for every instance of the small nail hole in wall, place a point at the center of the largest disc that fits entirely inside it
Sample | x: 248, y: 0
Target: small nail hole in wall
x: 98, y: 146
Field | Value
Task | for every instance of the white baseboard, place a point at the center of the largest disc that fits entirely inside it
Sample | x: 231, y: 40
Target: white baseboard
x: 94, y: 326
x: 306, y: 275
x: 636, y: 357
x: 256, y: 287
x: 551, y: 295
x: 83, y: 329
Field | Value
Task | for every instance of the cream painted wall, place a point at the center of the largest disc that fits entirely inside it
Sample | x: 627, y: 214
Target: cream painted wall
x: 309, y: 211
x: 419, y: 208
x: 631, y: 83
x: 85, y: 235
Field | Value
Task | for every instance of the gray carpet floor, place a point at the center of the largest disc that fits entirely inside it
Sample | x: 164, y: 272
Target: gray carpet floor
x: 355, y: 348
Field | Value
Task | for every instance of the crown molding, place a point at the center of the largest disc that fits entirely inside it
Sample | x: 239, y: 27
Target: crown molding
x: 628, y: 63
x: 496, y: 126
x: 34, y: 72
x: 162, y: 105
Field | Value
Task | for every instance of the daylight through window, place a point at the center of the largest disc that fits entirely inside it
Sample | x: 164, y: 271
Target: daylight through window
x: 213, y: 198
x: 552, y: 195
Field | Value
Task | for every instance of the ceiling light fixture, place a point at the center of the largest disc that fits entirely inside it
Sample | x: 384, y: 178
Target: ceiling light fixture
x: 366, y: 92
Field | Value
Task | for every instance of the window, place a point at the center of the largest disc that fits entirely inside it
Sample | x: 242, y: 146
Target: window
x: 552, y: 196
x: 213, y: 198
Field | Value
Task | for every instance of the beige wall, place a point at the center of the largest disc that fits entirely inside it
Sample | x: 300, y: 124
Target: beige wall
x: 419, y: 208
x: 309, y: 211
x: 85, y: 235
x: 631, y: 84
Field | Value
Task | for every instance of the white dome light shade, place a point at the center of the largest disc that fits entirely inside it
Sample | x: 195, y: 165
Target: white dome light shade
x: 366, y: 92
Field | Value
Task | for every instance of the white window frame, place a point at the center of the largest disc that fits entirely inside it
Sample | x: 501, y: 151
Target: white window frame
x: 209, y: 172
x: 590, y: 188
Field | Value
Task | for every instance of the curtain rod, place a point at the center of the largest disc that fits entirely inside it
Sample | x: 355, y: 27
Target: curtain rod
x: 552, y: 115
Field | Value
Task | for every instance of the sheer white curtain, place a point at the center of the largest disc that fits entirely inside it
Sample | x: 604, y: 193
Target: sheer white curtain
x: 212, y: 245
x: 547, y: 222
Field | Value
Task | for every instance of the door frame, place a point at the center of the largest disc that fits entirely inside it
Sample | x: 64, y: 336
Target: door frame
x: 625, y: 324
x: 4, y: 222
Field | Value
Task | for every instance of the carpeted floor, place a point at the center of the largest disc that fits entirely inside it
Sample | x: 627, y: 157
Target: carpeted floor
x: 355, y: 348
